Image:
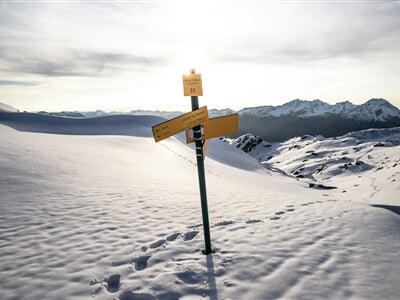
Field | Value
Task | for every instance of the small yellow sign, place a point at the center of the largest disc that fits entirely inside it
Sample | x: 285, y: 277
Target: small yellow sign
x: 192, y: 85
x: 178, y: 124
x: 217, y: 127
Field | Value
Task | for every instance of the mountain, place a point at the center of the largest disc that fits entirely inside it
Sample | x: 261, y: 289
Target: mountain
x: 300, y: 117
x: 162, y: 114
x: 214, y: 113
x: 71, y: 114
x: 282, y: 122
x: 298, y: 107
x: 373, y: 110
x: 319, y: 159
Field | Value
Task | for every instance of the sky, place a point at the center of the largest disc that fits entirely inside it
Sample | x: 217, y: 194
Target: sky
x: 127, y: 55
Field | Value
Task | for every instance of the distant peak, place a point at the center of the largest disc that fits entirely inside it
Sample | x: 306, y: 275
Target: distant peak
x: 345, y: 102
x: 379, y: 101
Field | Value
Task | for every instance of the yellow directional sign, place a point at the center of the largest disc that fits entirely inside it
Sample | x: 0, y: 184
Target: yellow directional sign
x: 178, y: 124
x: 192, y: 85
x: 216, y: 127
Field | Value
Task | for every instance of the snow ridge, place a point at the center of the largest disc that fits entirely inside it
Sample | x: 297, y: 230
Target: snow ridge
x: 7, y: 108
x: 104, y: 125
x: 325, y: 159
x: 372, y: 110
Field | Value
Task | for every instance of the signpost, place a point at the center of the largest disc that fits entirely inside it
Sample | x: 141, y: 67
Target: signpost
x: 192, y: 85
x: 216, y: 127
x: 178, y: 124
x: 203, y: 129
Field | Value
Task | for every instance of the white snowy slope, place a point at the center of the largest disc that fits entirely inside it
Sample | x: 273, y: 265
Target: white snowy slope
x: 7, y: 108
x: 356, y: 161
x: 119, y: 217
x: 109, y: 124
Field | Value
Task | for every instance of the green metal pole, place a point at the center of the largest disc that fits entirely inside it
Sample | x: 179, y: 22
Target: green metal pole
x: 202, y: 179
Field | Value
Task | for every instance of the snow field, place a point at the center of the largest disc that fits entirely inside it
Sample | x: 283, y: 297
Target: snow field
x: 113, y: 217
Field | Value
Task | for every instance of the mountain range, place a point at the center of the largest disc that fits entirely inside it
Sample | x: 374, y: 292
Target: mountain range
x: 373, y: 110
x: 300, y: 117
x: 295, y: 118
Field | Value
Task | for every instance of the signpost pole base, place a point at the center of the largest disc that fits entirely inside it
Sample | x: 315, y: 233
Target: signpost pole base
x: 202, y: 180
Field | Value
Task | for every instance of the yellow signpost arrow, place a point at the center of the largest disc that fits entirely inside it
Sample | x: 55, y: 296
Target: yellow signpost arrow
x: 216, y: 127
x: 178, y: 124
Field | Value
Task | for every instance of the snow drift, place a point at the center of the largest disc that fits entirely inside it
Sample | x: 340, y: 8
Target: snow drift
x: 110, y: 125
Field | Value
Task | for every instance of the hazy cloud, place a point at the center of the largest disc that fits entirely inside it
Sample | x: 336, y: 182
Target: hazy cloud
x: 318, y: 31
x: 17, y: 83
x: 67, y: 62
x: 333, y: 49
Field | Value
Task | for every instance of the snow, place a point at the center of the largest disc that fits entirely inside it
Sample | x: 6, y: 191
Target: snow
x: 375, y: 110
x: 365, y: 156
x: 110, y: 124
x: 117, y: 216
x: 7, y: 108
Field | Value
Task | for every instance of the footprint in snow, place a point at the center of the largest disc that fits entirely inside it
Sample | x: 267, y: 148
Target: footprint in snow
x: 279, y: 213
x: 113, y: 283
x: 251, y: 221
x: 157, y: 244
x: 141, y: 262
x: 173, y: 237
x: 229, y: 283
x: 224, y: 223
x: 274, y: 218
x: 129, y: 295
x: 190, y: 235
x: 290, y: 209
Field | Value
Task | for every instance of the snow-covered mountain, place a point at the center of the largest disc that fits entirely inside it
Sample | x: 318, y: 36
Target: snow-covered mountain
x: 319, y: 159
x: 295, y: 118
x: 375, y: 110
x: 300, y: 117
x: 71, y: 114
x: 372, y: 110
x: 300, y: 107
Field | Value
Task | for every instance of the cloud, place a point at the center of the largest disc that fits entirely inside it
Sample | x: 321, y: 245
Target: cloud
x: 17, y: 83
x: 72, y: 63
x: 317, y: 31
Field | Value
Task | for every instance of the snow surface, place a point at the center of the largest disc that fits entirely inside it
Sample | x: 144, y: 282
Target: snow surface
x: 110, y: 124
x: 7, y: 108
x: 370, y: 158
x: 119, y: 217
